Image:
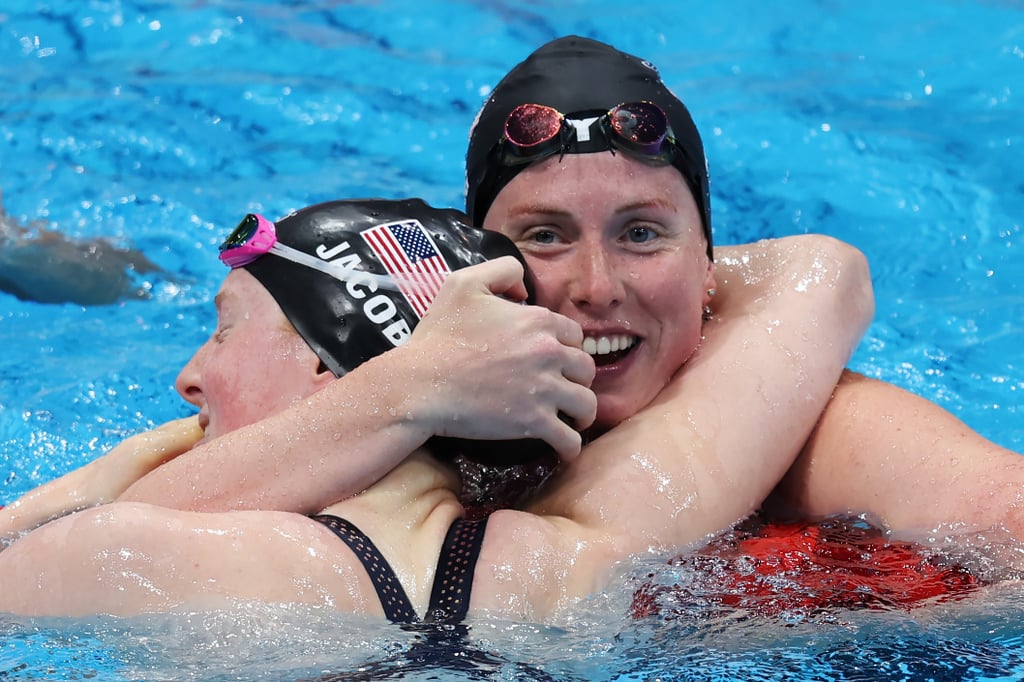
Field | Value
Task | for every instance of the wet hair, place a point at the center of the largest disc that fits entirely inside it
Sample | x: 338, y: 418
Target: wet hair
x: 577, y: 75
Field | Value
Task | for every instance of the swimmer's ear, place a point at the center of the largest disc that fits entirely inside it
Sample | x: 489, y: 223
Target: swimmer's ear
x: 709, y: 284
x: 323, y: 376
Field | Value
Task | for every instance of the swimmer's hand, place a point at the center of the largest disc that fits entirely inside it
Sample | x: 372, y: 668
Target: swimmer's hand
x: 494, y: 369
x: 101, y: 480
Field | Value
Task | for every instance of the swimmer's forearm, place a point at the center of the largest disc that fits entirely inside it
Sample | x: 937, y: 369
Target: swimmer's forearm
x: 907, y: 463
x: 101, y: 480
x: 811, y: 306
x: 49, y: 501
x: 332, y: 445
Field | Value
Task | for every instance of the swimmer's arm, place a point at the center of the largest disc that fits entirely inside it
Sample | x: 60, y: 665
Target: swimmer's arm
x: 454, y: 377
x: 719, y: 437
x: 904, y: 461
x: 101, y: 480
x: 327, y: 447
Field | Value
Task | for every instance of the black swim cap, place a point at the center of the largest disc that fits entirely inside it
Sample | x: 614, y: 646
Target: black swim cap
x: 574, y: 74
x: 348, y: 322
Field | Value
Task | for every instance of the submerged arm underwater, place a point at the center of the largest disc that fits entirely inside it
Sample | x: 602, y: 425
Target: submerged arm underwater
x: 47, y: 267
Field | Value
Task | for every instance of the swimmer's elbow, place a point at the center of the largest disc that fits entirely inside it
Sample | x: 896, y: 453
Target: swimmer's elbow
x: 854, y: 280
x: 849, y: 283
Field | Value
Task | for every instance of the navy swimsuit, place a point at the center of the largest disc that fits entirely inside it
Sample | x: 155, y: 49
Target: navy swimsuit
x: 453, y: 581
x: 442, y: 645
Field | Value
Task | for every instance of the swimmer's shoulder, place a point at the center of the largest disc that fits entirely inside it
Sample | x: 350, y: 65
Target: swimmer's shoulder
x: 532, y: 565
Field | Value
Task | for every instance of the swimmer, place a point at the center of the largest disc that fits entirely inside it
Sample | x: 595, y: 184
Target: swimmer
x: 610, y: 218
x: 43, y: 265
x: 877, y: 450
x: 284, y: 332
x: 452, y: 397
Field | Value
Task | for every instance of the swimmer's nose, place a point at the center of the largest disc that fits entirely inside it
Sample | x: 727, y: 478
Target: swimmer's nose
x: 595, y: 282
x: 188, y: 381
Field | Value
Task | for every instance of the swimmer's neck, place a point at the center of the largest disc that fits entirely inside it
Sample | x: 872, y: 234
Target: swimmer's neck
x: 407, y: 496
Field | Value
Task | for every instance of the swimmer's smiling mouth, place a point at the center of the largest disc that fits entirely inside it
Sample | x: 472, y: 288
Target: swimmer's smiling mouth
x: 608, y: 349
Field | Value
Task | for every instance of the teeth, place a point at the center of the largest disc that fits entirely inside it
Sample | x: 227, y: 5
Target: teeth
x: 607, y: 344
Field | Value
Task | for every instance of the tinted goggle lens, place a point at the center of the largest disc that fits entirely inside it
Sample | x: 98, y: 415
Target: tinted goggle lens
x: 253, y: 237
x: 529, y: 125
x: 535, y: 130
x: 644, y: 125
x: 241, y: 235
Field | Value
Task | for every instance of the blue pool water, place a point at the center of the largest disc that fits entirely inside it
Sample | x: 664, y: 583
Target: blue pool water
x: 893, y: 125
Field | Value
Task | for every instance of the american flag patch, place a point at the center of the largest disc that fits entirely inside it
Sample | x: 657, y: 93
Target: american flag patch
x: 411, y: 258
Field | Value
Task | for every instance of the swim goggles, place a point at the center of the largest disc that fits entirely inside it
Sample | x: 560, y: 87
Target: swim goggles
x: 256, y: 236
x: 535, y: 131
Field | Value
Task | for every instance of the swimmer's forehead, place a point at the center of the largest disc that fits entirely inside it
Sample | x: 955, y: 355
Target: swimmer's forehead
x: 554, y: 208
x: 228, y: 294
x: 225, y: 293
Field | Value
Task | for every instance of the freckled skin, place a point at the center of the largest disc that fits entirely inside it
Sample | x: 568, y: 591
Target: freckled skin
x: 218, y: 380
x: 617, y: 246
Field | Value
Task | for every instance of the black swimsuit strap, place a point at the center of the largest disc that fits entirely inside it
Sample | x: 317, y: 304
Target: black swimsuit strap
x: 453, y: 579
x: 393, y: 599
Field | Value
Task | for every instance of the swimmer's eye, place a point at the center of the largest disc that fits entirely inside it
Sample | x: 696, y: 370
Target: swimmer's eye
x: 543, y: 237
x: 639, y: 234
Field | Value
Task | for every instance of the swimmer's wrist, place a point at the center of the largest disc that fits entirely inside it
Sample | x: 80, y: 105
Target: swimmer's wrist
x: 404, y: 394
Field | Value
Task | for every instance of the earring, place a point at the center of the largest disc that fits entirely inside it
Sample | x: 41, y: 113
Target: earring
x: 707, y: 308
